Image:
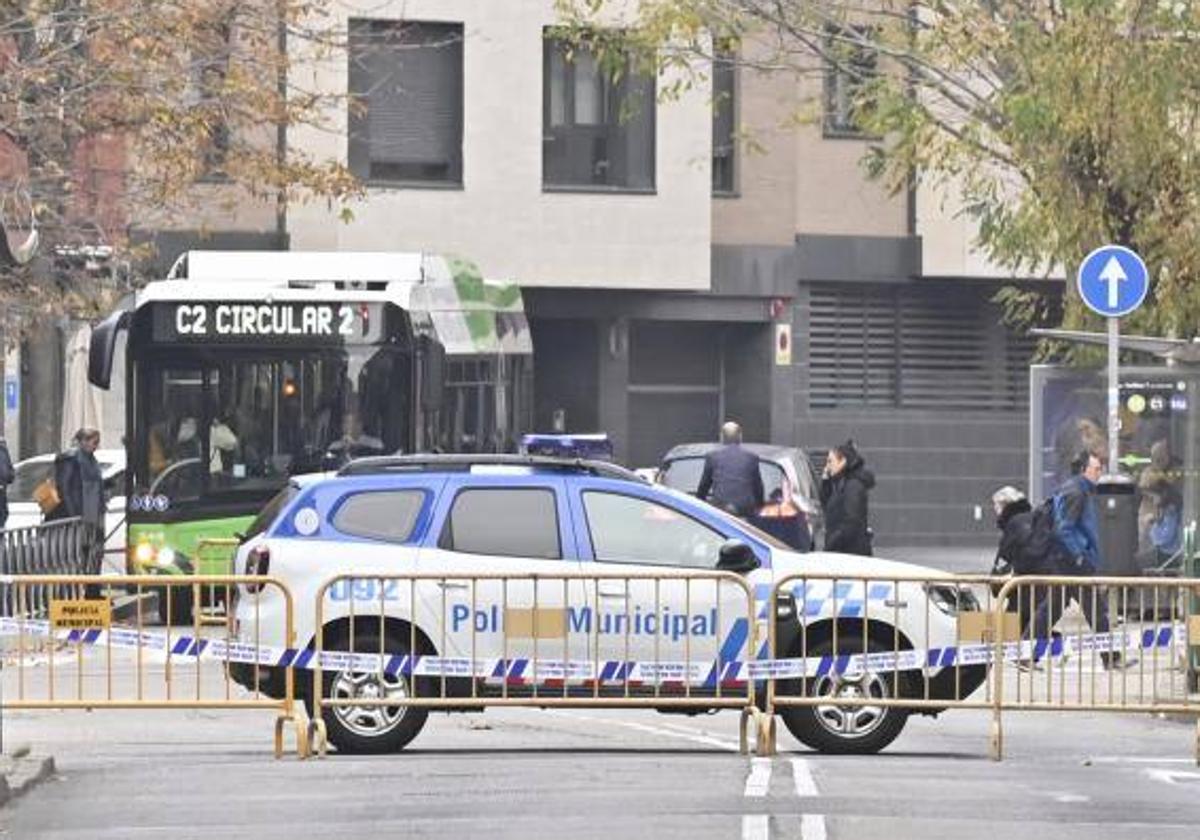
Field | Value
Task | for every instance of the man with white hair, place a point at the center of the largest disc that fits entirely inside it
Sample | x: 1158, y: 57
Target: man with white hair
x: 731, y: 479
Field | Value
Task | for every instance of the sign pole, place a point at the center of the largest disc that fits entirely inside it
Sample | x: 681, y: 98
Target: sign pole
x: 1114, y: 394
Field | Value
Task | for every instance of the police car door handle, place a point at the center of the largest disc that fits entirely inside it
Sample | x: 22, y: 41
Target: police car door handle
x: 452, y: 584
x: 610, y: 592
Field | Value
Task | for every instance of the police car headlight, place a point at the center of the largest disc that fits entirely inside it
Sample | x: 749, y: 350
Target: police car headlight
x: 951, y: 599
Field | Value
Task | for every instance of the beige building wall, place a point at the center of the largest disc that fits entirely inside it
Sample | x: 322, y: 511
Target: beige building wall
x: 798, y: 180
x: 501, y: 217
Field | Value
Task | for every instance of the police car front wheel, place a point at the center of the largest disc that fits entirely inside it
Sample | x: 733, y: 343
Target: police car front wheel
x: 854, y: 725
x: 369, y: 727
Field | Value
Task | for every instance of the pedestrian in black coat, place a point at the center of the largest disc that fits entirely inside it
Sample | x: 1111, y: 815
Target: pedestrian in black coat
x: 844, y: 488
x: 7, y: 474
x: 731, y: 479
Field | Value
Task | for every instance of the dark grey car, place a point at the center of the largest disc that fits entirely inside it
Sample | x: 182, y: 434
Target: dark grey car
x: 793, y: 509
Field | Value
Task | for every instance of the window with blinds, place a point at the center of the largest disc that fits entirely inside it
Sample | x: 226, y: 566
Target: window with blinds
x: 406, y: 101
x: 923, y: 348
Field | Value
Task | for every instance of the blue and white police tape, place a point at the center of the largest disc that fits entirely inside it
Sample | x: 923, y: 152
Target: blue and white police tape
x: 524, y: 670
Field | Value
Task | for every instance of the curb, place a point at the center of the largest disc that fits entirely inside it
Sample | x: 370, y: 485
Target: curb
x: 22, y: 772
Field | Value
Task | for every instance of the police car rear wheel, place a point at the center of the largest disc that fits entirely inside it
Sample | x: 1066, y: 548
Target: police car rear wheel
x: 370, y: 728
x: 858, y: 728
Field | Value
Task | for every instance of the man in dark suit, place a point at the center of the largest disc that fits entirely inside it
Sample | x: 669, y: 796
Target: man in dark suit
x: 731, y: 479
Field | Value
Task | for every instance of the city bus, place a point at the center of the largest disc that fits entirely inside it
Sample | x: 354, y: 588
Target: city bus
x: 244, y: 369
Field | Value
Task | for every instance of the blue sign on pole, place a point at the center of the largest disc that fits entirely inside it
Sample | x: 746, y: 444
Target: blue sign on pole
x: 1113, y: 281
x: 10, y: 394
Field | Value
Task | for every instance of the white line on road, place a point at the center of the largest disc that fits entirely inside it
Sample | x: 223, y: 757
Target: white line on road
x: 806, y: 785
x: 758, y: 783
x: 812, y: 827
x: 756, y: 827
x: 1172, y: 777
x: 1120, y: 759
x: 657, y: 730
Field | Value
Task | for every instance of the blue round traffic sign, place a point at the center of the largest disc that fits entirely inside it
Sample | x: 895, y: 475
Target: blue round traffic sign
x: 1113, y: 281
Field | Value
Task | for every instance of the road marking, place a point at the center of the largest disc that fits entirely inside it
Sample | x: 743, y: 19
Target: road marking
x: 806, y: 785
x: 657, y: 730
x: 756, y: 827
x: 812, y: 827
x: 1172, y: 777
x: 1071, y: 798
x: 758, y: 783
x: 1118, y: 759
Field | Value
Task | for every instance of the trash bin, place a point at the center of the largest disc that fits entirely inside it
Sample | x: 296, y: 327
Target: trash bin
x: 1116, y: 504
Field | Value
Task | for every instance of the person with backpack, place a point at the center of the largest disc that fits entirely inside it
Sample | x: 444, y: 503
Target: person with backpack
x: 1027, y: 545
x: 1076, y: 552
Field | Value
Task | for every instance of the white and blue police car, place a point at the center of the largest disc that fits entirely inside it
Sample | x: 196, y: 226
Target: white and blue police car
x: 461, y: 516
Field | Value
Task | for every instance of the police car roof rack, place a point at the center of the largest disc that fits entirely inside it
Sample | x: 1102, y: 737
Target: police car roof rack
x: 463, y: 463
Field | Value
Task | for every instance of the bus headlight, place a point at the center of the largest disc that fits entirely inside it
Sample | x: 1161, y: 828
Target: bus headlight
x: 144, y: 554
x: 165, y: 557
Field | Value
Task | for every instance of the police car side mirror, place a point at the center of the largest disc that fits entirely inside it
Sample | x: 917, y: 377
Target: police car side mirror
x: 737, y: 557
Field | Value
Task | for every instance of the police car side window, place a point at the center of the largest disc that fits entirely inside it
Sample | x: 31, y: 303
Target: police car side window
x: 387, y: 515
x: 625, y: 529
x: 504, y: 521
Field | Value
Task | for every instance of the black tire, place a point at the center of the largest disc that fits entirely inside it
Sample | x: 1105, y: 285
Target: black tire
x: 815, y: 726
x: 180, y: 598
x: 346, y: 726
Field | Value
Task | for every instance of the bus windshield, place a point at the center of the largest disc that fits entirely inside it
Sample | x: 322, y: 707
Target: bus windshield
x: 225, y: 421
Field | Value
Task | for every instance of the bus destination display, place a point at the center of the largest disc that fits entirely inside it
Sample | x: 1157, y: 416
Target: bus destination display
x: 269, y: 322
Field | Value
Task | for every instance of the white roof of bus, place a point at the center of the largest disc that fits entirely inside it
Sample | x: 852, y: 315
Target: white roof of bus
x: 268, y: 276
x: 282, y: 266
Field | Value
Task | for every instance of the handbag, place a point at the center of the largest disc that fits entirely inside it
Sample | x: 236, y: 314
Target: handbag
x: 46, y: 495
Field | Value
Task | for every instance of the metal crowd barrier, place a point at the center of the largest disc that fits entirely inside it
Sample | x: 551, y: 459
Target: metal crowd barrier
x: 213, y: 553
x: 470, y: 641
x: 62, y: 547
x: 1001, y: 644
x: 78, y: 657
x: 848, y: 649
x: 1096, y: 644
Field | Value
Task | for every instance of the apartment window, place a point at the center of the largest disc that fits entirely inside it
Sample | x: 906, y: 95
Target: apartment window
x: 849, y: 67
x: 406, y: 101
x: 724, y: 122
x: 598, y: 131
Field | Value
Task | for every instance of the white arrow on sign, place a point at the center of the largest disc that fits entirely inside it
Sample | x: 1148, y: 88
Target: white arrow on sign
x: 1113, y: 275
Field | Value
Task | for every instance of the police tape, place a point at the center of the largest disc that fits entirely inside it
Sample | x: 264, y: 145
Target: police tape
x: 526, y: 670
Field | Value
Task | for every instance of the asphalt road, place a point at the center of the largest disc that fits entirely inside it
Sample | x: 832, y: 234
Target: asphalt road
x: 523, y: 773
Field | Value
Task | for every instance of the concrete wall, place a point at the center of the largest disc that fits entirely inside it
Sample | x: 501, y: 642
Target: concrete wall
x: 790, y: 177
x: 501, y: 217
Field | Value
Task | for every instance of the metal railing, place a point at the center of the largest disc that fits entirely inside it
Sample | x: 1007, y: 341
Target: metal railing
x: 62, y: 547
x: 1097, y: 644
x: 78, y: 657
x: 470, y: 641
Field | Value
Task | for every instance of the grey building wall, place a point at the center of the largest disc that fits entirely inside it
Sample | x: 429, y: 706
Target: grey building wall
x: 942, y: 429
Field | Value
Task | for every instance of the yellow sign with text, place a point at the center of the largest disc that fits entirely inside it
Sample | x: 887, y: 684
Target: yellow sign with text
x: 81, y: 614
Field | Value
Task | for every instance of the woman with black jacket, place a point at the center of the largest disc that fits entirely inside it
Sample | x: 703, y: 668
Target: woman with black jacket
x: 844, y: 488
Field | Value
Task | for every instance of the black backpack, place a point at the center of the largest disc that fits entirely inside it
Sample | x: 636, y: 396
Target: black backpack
x: 1043, y: 544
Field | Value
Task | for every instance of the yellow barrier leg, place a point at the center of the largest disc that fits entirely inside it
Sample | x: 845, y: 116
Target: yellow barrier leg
x: 997, y: 741
x: 317, y: 740
x: 743, y: 737
x: 1198, y: 741
x: 766, y: 734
